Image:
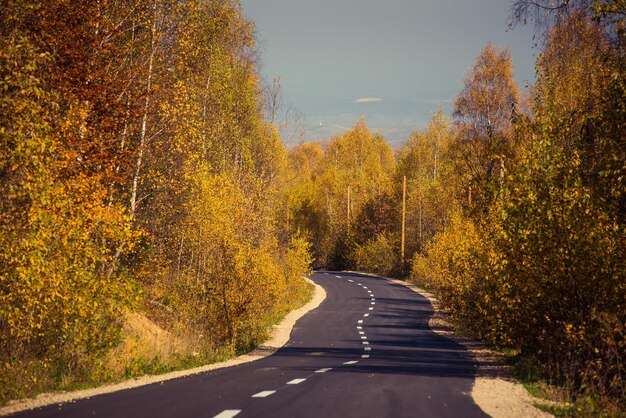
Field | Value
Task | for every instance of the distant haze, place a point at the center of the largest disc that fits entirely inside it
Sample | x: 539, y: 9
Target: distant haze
x: 394, y: 61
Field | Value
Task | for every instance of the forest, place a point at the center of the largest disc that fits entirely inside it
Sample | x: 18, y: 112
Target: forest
x: 145, y: 186
x: 142, y: 191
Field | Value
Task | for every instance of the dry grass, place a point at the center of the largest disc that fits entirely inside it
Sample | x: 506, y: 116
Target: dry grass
x: 144, y: 340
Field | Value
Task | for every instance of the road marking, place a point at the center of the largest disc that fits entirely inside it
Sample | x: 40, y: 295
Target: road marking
x: 360, y: 321
x: 351, y: 362
x: 339, y: 277
x: 264, y: 394
x: 373, y: 298
x: 365, y: 342
x: 372, y: 303
x: 364, y: 337
x: 371, y: 309
x: 295, y: 381
x: 365, y: 356
x: 324, y: 370
x: 361, y: 332
x: 367, y: 348
x: 366, y: 315
x: 351, y: 281
x: 358, y: 326
x: 228, y: 413
x: 359, y: 284
x: 364, y: 287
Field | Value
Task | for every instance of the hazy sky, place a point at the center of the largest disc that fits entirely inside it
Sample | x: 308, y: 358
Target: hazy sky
x: 412, y: 55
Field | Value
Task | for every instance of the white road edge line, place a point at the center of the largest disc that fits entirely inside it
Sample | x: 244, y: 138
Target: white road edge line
x: 296, y: 381
x: 324, y: 370
x: 264, y: 394
x: 228, y: 413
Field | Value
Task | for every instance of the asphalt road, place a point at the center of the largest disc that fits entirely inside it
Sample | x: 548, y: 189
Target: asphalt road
x: 366, y: 351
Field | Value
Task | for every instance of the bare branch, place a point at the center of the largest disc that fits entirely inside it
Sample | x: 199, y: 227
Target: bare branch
x: 543, y: 14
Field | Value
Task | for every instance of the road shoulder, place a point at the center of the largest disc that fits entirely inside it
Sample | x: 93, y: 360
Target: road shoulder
x: 279, y: 337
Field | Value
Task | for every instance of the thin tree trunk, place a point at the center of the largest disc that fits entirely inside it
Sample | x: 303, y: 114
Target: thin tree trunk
x: 144, y: 119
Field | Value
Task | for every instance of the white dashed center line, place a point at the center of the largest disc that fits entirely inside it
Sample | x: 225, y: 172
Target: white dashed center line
x: 351, y: 281
x: 264, y: 394
x: 360, y: 321
x: 351, y: 362
x: 295, y: 381
x: 228, y: 413
x: 365, y: 342
x: 324, y: 370
x: 361, y: 332
x: 339, y: 277
x: 367, y: 348
x: 366, y: 315
x: 358, y: 326
x: 371, y: 309
x: 365, y: 356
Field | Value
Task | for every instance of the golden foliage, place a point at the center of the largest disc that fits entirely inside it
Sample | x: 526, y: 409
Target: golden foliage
x: 137, y: 173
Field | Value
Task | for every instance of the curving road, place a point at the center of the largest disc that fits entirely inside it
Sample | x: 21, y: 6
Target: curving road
x: 367, y: 351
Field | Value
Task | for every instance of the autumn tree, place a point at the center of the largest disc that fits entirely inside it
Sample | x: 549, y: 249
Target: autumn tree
x: 139, y: 174
x: 563, y: 236
x: 540, y: 267
x: 61, y: 302
x: 341, y: 197
x: 425, y: 161
x: 483, y: 111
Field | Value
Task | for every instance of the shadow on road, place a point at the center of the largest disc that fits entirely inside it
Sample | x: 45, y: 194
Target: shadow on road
x: 402, y: 342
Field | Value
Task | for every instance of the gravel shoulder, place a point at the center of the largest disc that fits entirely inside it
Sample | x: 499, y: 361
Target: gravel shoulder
x: 279, y: 337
